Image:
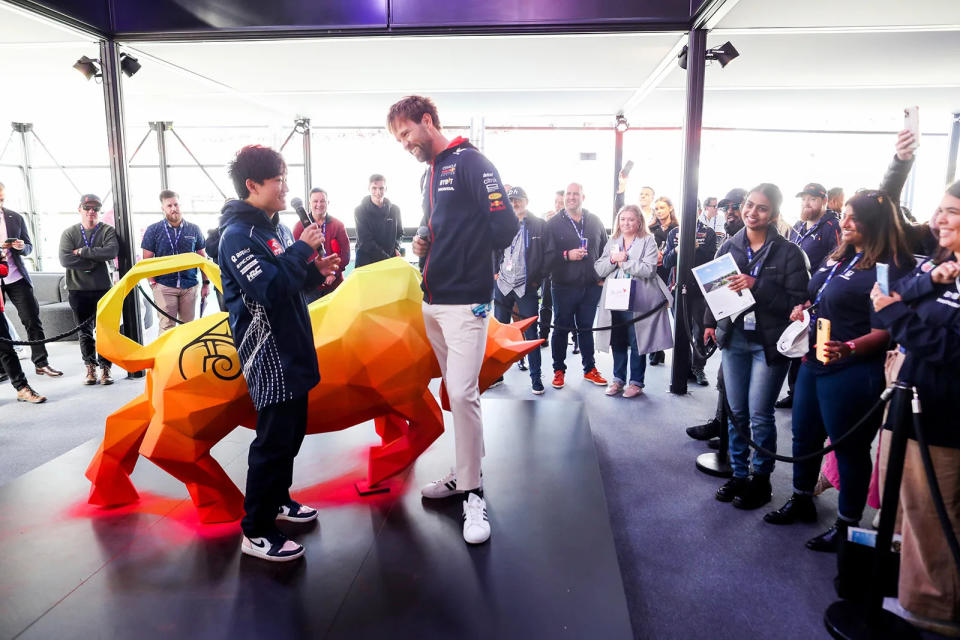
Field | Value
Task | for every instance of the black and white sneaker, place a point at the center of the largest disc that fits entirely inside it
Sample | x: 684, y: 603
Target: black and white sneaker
x: 476, y: 527
x: 444, y: 487
x: 275, y: 547
x: 293, y: 511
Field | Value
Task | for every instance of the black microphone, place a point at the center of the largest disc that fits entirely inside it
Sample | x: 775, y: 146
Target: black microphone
x: 424, y: 234
x: 297, y: 205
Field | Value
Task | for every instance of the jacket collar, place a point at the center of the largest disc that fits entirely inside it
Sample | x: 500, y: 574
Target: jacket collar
x: 455, y: 144
x: 740, y: 239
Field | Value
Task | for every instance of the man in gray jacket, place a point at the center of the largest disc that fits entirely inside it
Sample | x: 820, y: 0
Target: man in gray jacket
x: 85, y: 250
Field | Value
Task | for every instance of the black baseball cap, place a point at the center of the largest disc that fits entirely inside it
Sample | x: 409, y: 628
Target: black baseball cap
x: 813, y: 189
x: 734, y: 196
x: 516, y: 193
x: 89, y: 198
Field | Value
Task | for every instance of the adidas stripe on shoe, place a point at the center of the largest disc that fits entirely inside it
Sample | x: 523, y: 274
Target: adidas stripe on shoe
x: 476, y: 527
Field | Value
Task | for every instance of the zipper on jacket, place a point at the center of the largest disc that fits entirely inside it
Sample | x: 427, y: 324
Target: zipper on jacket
x: 426, y: 264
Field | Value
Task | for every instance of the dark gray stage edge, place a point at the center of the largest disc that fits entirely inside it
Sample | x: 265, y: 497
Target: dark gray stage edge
x: 391, y: 565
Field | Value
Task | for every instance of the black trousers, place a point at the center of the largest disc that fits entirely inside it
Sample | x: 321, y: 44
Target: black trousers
x: 721, y: 415
x: 84, y: 305
x: 20, y: 293
x: 9, y: 361
x: 792, y: 374
x: 280, y: 431
x: 696, y: 306
x: 546, y: 308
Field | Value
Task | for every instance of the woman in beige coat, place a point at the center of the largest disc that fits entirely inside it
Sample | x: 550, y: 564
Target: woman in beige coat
x: 632, y: 253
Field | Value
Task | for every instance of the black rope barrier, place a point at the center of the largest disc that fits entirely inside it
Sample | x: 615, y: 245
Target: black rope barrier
x: 153, y: 304
x: 59, y: 336
x: 642, y: 316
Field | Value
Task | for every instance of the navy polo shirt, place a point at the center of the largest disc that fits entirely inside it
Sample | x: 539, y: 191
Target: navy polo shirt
x: 164, y: 240
x: 819, y: 240
x: 846, y: 304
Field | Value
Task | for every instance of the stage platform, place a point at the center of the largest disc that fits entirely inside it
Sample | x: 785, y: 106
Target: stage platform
x: 384, y: 566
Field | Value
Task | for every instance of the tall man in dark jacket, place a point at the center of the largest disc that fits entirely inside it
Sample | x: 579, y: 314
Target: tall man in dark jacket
x: 575, y: 239
x: 85, y: 251
x: 17, y: 287
x: 264, y: 274
x: 520, y: 270
x: 468, y: 218
x: 379, y: 228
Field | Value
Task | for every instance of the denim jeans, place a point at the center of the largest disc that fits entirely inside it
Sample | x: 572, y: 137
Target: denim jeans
x: 574, y: 307
x: 528, y: 307
x: 752, y: 387
x: 828, y: 405
x: 638, y: 363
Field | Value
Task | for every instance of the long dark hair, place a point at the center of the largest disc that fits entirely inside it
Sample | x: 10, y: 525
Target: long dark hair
x: 674, y: 221
x: 879, y: 225
x: 773, y: 195
x: 943, y: 253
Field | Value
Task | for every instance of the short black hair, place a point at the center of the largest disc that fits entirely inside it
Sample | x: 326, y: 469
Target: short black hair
x: 412, y: 108
x: 254, y: 162
x: 167, y: 193
x: 376, y: 177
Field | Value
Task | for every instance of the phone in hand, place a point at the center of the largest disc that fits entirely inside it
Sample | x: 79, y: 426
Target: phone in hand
x: 911, y: 121
x: 883, y: 278
x: 583, y: 243
x: 823, y: 337
x: 10, y: 240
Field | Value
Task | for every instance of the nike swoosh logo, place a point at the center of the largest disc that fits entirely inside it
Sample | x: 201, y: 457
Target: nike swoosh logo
x: 260, y: 544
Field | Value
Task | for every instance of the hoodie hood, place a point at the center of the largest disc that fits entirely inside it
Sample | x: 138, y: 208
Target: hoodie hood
x: 240, y: 211
x: 367, y: 203
x: 457, y: 143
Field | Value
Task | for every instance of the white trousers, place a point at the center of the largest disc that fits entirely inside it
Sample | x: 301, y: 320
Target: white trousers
x: 459, y: 339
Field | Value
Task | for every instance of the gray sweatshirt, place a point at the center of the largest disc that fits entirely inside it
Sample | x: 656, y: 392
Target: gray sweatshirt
x: 88, y: 270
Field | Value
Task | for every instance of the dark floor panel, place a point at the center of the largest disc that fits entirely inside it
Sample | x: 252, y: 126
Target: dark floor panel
x: 384, y: 565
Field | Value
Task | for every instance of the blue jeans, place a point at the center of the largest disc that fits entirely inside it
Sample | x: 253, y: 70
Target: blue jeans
x: 752, y: 387
x: 574, y: 307
x: 638, y: 363
x: 828, y: 405
x: 529, y: 307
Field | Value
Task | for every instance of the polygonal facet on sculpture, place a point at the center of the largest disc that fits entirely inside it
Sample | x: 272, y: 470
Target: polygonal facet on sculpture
x: 375, y: 363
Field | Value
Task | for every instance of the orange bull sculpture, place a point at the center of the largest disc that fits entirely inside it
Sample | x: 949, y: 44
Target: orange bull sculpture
x: 375, y: 363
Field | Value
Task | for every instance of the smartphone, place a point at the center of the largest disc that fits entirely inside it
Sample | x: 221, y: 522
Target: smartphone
x: 11, y: 240
x: 626, y: 168
x: 583, y: 243
x: 883, y: 278
x: 911, y: 121
x: 823, y: 337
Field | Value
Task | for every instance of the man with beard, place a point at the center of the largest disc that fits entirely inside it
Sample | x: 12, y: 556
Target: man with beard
x: 729, y: 208
x: 379, y: 228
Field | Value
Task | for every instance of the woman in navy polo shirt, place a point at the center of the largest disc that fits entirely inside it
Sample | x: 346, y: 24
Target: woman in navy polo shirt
x: 923, y: 316
x: 830, y: 398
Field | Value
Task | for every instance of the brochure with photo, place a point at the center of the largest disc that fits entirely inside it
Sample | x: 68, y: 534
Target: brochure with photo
x: 714, y: 278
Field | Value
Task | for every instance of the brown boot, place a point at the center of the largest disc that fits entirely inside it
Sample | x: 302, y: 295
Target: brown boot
x: 27, y: 394
x: 91, y: 377
x: 105, y: 376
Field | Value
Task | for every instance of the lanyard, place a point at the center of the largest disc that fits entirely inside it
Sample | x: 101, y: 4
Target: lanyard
x: 175, y: 241
x: 582, y: 223
x: 806, y: 234
x: 830, y: 275
x: 93, y: 234
x: 756, y: 267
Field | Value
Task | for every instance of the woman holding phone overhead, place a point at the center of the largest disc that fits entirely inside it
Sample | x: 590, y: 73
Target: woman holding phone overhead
x: 834, y: 390
x: 775, y: 272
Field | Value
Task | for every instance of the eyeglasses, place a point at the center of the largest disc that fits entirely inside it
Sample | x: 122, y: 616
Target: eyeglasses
x: 91, y: 207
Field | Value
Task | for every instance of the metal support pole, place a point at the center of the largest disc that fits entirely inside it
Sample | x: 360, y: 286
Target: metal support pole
x: 618, y: 197
x: 23, y: 128
x: 161, y: 129
x: 304, y: 125
x: 123, y: 218
x: 954, y: 145
x: 696, y: 63
x: 478, y: 132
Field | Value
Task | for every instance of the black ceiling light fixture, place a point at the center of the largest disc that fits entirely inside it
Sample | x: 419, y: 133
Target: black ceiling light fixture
x: 130, y: 65
x: 622, y: 124
x: 722, y: 54
x: 87, y: 67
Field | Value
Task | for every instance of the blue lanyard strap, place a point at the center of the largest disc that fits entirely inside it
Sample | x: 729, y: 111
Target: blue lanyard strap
x: 833, y: 272
x: 756, y: 267
x: 93, y: 234
x: 582, y: 223
x: 807, y: 233
x: 174, y: 241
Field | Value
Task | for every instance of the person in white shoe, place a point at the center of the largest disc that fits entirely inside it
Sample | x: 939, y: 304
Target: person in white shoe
x: 632, y: 254
x: 468, y: 217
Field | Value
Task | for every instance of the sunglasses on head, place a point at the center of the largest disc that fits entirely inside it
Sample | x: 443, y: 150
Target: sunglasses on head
x: 91, y: 207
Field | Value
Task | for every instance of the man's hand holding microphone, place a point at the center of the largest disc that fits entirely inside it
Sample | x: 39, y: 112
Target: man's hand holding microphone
x: 313, y: 236
x: 421, y: 242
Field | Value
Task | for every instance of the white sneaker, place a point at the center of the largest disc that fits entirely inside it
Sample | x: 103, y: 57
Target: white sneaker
x: 614, y: 388
x: 273, y: 548
x: 476, y: 527
x: 293, y: 511
x: 444, y: 487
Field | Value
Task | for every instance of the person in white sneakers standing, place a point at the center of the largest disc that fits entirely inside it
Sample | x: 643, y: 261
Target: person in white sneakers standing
x: 467, y: 216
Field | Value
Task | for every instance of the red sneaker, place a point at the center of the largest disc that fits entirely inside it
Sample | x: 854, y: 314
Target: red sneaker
x: 594, y: 376
x: 558, y: 379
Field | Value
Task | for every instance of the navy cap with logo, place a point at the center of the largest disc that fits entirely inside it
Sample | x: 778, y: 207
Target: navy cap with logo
x: 813, y: 189
x: 734, y: 196
x: 516, y: 193
x: 89, y: 198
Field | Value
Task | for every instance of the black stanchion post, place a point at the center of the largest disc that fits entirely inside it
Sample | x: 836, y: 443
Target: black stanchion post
x: 850, y: 620
x: 717, y: 463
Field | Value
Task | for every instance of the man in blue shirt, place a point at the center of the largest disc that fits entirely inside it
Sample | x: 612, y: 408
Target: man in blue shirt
x: 175, y: 293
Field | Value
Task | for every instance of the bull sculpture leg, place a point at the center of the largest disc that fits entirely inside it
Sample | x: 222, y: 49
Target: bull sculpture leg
x: 109, y: 471
x: 405, y: 435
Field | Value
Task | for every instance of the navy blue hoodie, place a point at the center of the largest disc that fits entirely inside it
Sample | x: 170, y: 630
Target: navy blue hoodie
x: 264, y: 272
x: 469, y: 217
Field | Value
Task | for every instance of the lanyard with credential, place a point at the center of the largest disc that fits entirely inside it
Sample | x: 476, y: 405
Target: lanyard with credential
x: 93, y: 234
x: 579, y: 233
x: 175, y: 240
x: 833, y: 272
x: 756, y: 267
x: 807, y: 233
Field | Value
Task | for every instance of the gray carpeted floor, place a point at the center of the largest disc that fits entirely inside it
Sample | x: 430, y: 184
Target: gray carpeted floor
x: 691, y: 566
